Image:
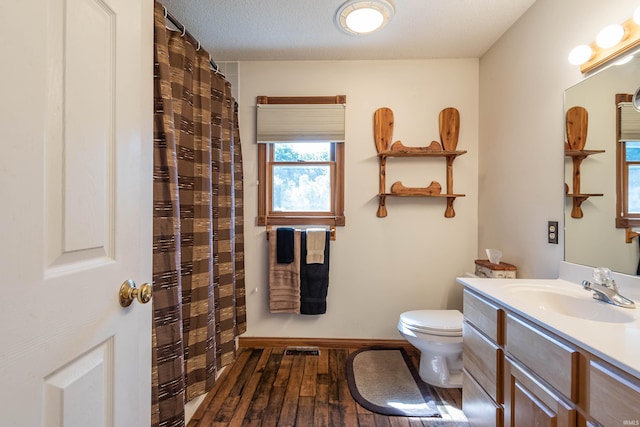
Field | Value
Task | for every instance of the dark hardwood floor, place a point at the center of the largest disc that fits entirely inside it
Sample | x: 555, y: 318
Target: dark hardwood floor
x: 264, y: 387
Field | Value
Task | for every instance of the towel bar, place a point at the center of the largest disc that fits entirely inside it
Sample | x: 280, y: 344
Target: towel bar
x: 332, y: 231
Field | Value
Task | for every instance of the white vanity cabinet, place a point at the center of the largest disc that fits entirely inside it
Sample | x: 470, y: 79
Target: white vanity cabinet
x: 519, y: 374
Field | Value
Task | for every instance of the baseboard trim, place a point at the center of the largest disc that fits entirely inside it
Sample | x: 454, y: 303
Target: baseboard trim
x: 347, y: 343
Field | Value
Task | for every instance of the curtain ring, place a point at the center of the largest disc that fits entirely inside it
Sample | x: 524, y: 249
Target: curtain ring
x: 198, y: 48
x: 215, y: 68
x: 165, y: 11
x: 184, y: 31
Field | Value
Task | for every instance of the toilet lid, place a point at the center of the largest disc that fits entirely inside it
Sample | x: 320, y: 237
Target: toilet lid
x: 435, y: 322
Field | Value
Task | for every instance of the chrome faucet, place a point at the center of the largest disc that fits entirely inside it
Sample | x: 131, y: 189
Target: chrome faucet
x: 605, y: 289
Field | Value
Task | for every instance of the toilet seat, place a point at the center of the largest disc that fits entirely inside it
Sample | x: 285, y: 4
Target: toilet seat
x: 445, y: 323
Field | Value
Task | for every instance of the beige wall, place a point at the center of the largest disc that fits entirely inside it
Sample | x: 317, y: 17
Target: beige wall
x: 380, y: 267
x: 522, y: 79
x: 511, y: 105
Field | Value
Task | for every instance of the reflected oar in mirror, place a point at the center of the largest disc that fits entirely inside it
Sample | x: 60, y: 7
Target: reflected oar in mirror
x: 577, y: 123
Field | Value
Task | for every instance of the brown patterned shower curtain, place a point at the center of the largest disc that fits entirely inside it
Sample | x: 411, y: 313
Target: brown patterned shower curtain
x: 198, y: 250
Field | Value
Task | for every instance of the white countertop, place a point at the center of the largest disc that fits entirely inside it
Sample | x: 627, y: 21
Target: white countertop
x: 617, y: 342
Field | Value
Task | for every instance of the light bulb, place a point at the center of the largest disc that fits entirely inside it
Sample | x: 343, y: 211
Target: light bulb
x: 580, y: 54
x: 364, y: 20
x: 610, y: 36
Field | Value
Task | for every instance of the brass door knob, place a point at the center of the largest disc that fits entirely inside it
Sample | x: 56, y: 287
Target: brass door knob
x: 129, y: 292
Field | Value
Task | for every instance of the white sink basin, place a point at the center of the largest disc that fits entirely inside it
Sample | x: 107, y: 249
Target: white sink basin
x: 568, y: 301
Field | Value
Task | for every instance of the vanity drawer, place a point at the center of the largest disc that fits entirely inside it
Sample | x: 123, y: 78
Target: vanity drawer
x: 534, y: 349
x: 530, y: 402
x: 483, y: 360
x: 614, y: 398
x: 484, y: 315
x: 478, y: 407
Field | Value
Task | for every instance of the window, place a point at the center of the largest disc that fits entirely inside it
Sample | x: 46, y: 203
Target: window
x: 301, y: 160
x: 628, y: 163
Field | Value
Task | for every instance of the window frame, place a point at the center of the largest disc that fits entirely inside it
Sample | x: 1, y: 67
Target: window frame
x: 624, y: 219
x: 266, y: 215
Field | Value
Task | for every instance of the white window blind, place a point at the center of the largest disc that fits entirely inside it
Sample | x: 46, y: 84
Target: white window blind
x: 629, y: 122
x: 300, y: 122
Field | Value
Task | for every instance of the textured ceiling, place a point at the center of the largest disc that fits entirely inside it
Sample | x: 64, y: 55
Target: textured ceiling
x: 245, y: 30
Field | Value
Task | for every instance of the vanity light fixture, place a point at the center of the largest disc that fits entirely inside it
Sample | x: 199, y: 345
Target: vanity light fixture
x: 612, y: 41
x: 364, y: 17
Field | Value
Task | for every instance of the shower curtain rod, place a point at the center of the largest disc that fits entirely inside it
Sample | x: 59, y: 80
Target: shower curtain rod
x: 182, y: 28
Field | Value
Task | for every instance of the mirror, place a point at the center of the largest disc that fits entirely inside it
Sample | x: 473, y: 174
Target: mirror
x: 594, y: 240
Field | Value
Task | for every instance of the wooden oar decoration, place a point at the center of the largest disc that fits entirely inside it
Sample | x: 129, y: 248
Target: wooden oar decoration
x: 449, y: 121
x: 449, y: 125
x: 577, y: 123
x: 383, y: 128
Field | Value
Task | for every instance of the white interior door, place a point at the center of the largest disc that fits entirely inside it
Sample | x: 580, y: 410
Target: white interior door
x: 75, y: 211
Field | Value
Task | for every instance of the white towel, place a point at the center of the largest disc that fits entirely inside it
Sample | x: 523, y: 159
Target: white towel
x: 315, y: 245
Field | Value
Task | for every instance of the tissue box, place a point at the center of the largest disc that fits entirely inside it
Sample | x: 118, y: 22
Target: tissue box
x: 485, y: 268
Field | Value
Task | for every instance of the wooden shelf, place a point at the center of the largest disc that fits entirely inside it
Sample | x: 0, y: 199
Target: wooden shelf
x: 581, y: 153
x: 576, y: 131
x: 578, y: 199
x: 449, y: 121
x: 425, y: 153
x: 421, y: 195
x: 577, y: 156
x: 419, y: 192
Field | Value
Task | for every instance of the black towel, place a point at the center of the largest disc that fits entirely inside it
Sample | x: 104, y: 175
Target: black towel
x: 284, y: 245
x: 638, y: 269
x: 314, y: 280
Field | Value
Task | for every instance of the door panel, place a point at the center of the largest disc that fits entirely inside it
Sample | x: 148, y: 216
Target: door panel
x: 78, y: 394
x: 88, y: 105
x: 76, y: 211
x: 80, y: 144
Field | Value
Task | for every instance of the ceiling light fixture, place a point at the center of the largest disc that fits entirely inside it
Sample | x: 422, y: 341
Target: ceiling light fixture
x: 364, y: 17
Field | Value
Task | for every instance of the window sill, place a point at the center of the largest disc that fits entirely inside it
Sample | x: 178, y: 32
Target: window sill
x: 338, y: 221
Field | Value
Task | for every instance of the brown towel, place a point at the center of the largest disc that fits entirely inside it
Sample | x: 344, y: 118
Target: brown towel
x: 284, y: 279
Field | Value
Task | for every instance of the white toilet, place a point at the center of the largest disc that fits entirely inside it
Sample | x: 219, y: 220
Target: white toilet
x: 438, y: 336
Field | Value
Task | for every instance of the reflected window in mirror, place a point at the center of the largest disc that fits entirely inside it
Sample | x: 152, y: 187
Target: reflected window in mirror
x: 628, y: 163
